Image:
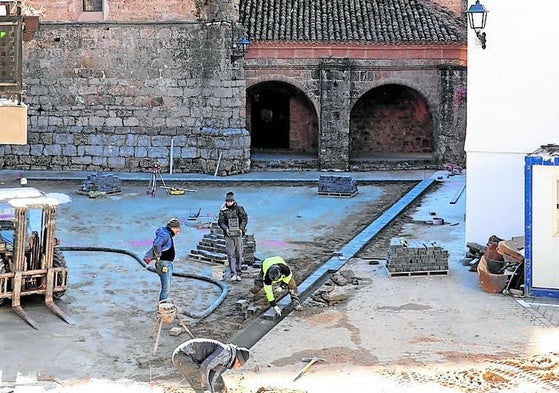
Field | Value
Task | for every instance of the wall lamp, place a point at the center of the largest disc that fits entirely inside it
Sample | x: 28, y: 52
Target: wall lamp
x: 239, y: 49
x: 477, y: 16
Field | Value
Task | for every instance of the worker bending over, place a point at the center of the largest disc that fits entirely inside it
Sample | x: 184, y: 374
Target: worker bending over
x: 274, y: 271
x: 202, y: 361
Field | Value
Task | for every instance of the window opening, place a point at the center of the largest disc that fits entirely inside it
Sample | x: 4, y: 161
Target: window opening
x: 92, y: 5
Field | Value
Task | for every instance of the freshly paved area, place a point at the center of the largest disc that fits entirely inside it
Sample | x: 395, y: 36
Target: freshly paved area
x: 393, y: 333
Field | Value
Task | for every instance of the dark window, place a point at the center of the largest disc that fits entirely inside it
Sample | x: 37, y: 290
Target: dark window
x: 92, y: 5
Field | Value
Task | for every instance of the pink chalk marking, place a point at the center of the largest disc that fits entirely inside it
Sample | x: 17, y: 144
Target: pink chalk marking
x: 275, y: 243
x: 141, y: 243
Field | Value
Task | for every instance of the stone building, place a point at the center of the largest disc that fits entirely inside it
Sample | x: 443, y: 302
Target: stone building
x: 117, y: 85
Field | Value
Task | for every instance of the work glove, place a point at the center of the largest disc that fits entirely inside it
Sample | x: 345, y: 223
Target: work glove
x: 277, y: 310
x: 227, y: 232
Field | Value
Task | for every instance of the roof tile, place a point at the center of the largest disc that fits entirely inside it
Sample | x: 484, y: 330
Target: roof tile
x: 369, y: 21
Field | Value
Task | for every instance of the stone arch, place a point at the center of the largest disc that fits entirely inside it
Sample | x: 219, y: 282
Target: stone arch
x: 391, y: 118
x: 280, y: 116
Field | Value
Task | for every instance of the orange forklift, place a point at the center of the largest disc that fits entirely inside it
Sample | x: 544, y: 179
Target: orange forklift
x: 30, y: 261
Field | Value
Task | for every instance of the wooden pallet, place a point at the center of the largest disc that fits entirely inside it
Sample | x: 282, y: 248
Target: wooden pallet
x: 339, y: 194
x: 419, y: 273
x: 107, y: 192
x: 205, y: 259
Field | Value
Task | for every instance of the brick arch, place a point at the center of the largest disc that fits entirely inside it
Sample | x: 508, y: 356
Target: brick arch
x: 280, y: 116
x: 425, y: 80
x: 391, y: 118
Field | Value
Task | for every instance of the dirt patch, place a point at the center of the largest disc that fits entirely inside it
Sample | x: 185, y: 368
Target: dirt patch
x: 226, y: 321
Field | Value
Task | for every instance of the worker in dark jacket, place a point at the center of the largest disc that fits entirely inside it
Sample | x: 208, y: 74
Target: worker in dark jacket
x: 202, y: 361
x: 163, y: 252
x: 233, y: 221
x: 274, y: 271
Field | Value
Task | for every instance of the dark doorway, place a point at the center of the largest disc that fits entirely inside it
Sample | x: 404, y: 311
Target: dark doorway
x: 270, y: 120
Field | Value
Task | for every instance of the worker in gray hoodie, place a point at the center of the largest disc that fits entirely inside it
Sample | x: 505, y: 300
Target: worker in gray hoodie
x: 202, y: 361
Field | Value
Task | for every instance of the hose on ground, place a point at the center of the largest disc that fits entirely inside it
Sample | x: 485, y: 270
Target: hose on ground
x: 201, y: 315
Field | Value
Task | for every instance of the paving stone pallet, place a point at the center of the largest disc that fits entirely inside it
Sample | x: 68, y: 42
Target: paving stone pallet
x: 411, y: 256
x: 337, y: 186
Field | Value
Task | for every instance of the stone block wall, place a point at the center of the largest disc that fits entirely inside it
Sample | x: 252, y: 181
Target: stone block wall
x: 117, y: 96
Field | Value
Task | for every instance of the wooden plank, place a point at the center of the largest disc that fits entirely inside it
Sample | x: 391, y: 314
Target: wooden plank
x: 338, y: 194
x: 203, y: 258
x: 419, y: 273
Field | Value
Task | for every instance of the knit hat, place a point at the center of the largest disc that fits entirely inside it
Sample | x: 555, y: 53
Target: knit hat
x: 229, y: 196
x: 173, y: 223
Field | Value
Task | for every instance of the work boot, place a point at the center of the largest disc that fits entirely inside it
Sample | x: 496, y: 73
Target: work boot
x: 296, y: 305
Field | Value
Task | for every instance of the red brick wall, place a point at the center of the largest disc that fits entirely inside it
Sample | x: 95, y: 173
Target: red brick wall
x: 455, y: 6
x: 119, y: 10
x: 391, y: 119
x: 303, y: 127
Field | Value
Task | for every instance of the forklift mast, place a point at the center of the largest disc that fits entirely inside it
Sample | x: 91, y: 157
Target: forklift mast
x: 30, y: 262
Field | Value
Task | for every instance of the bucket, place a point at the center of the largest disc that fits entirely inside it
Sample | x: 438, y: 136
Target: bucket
x: 438, y: 221
x: 218, y: 272
x: 166, y: 312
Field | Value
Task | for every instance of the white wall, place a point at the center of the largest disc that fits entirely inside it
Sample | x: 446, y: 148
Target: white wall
x: 545, y: 242
x: 513, y: 108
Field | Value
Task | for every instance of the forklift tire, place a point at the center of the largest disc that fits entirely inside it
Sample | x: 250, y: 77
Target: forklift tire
x: 58, y: 260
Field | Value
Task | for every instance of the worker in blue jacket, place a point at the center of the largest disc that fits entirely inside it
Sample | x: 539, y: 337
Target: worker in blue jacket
x: 163, y: 252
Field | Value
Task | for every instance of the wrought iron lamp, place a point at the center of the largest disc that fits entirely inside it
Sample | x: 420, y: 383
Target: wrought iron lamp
x: 477, y: 16
x: 239, y: 48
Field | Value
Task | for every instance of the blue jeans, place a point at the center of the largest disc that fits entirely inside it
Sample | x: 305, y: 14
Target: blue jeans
x: 165, y: 271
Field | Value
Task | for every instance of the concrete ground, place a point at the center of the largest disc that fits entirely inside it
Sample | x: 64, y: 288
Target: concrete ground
x: 399, y: 334
x: 414, y: 334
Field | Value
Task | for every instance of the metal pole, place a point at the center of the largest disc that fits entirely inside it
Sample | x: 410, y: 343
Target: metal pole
x: 171, y: 159
x: 218, y: 162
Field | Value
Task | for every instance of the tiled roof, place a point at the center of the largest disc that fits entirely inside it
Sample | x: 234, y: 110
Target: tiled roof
x: 370, y: 21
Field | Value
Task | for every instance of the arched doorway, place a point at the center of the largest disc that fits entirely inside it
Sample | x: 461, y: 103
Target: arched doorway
x: 391, y: 120
x: 280, y: 117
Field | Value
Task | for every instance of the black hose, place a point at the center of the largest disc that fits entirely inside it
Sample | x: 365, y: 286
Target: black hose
x: 201, y: 315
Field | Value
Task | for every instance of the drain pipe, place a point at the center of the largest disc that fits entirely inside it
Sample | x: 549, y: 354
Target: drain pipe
x: 201, y: 315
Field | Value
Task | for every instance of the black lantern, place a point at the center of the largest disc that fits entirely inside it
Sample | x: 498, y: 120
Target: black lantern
x: 239, y: 48
x: 477, y: 17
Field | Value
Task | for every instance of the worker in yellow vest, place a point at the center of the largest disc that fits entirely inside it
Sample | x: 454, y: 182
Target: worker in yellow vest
x: 274, y: 271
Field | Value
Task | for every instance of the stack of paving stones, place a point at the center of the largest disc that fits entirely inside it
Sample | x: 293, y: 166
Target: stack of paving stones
x: 101, y: 182
x: 415, y: 257
x: 212, y: 247
x: 337, y: 186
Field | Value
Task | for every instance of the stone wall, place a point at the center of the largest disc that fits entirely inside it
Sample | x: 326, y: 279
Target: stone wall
x: 113, y: 97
